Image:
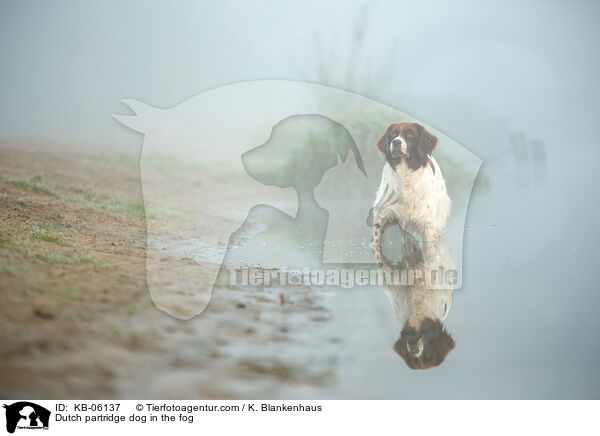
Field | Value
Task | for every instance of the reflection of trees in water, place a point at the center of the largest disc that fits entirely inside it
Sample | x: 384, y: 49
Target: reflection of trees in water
x: 529, y: 159
x: 527, y: 156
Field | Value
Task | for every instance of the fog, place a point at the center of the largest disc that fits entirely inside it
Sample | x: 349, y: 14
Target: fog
x: 514, y: 66
x: 515, y: 82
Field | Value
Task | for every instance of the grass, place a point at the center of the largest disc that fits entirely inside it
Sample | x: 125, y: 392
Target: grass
x: 33, y: 186
x: 53, y: 312
x: 52, y: 257
x: 49, y: 238
x: 129, y: 207
x: 22, y: 246
x: 73, y: 258
x: 73, y: 292
x: 43, y: 231
x: 116, y: 333
x: 34, y: 288
x: 135, y: 306
x: 57, y: 214
x: 7, y: 269
x: 40, y: 187
x: 124, y: 159
x: 282, y: 370
x: 20, y: 183
x: 10, y: 248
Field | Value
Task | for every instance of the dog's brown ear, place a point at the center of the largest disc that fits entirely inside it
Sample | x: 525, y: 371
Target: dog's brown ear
x: 384, y: 141
x: 427, y: 142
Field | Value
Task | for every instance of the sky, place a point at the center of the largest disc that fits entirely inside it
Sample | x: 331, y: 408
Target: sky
x: 471, y: 70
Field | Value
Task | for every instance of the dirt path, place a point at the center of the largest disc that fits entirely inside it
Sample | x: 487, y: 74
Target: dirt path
x: 76, y: 320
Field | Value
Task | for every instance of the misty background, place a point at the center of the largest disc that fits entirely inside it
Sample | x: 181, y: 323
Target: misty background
x: 515, y: 83
x: 511, y: 66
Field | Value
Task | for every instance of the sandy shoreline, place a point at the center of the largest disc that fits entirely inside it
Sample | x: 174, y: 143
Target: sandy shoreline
x: 78, y: 322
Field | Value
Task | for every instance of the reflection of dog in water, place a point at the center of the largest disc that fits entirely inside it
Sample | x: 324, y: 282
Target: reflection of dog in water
x: 419, y: 309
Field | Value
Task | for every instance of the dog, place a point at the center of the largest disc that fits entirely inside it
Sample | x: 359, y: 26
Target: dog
x: 412, y: 192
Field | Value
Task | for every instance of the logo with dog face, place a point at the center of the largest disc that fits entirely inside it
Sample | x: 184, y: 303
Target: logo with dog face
x: 26, y: 415
x: 277, y: 175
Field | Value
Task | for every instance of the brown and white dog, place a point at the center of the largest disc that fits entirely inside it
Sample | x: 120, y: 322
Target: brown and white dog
x: 412, y: 190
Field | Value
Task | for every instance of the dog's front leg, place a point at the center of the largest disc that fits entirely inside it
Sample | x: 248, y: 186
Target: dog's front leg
x: 380, y: 224
x: 411, y: 250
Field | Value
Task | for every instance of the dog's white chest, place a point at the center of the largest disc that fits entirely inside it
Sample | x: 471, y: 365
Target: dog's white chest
x: 417, y: 198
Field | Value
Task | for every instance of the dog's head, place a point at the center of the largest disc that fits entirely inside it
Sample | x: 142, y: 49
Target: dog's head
x: 407, y: 141
x: 426, y: 347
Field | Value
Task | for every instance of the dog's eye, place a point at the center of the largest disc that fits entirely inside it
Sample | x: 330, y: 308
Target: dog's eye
x: 409, y: 134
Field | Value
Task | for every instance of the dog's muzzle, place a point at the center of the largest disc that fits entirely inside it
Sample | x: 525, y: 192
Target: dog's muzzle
x: 398, y: 148
x: 415, y: 347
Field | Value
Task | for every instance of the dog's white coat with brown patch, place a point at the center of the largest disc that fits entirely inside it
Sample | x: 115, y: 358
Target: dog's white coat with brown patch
x: 412, y: 191
x: 416, y: 198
